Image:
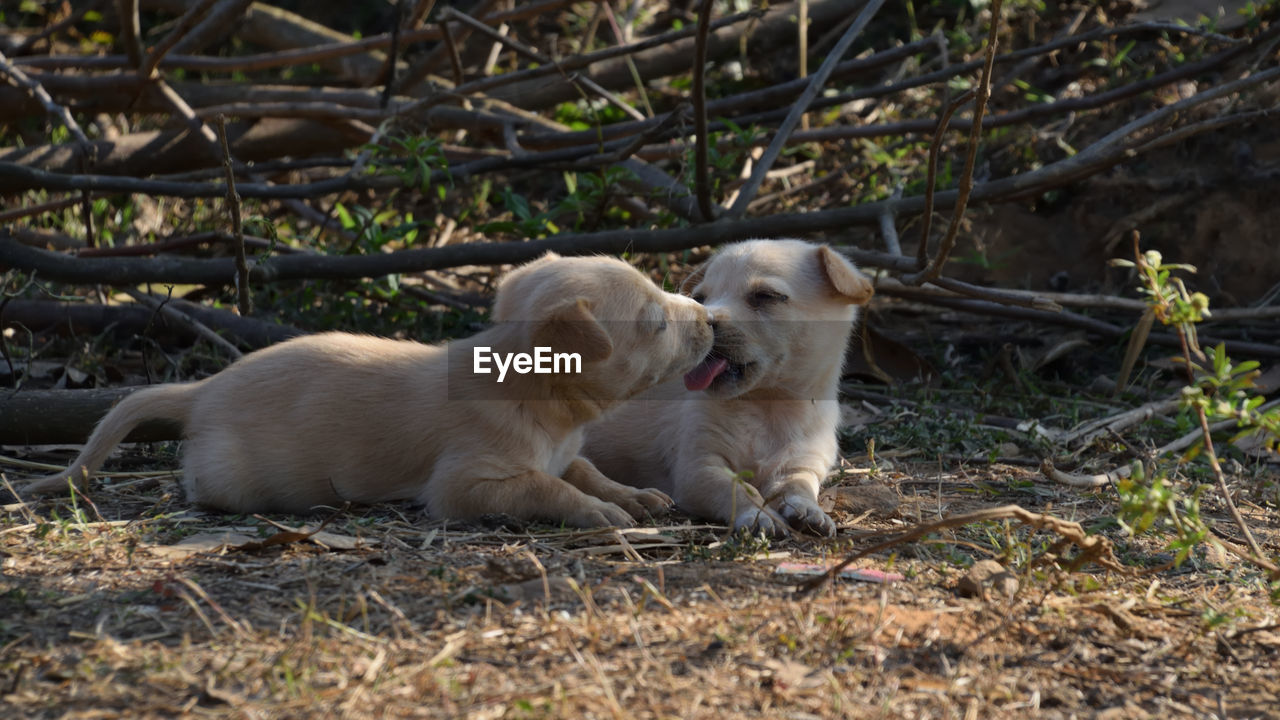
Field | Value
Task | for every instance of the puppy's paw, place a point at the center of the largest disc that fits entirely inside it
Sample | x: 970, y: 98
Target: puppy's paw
x: 647, y: 502
x: 803, y: 513
x: 761, y: 521
x: 601, y: 514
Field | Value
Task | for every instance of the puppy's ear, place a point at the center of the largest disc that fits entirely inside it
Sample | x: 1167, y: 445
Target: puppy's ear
x: 691, y: 282
x: 845, y: 279
x: 571, y: 328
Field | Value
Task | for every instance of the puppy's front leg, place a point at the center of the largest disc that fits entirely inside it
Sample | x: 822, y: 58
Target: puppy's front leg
x: 713, y: 490
x: 530, y: 495
x: 795, y: 497
x: 583, y: 475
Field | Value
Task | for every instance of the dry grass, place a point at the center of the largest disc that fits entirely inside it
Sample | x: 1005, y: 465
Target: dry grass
x: 106, y: 619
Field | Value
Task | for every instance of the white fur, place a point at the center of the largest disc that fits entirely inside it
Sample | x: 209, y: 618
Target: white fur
x: 331, y: 418
x: 754, y: 448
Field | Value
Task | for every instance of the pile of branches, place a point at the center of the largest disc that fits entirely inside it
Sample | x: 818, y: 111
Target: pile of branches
x: 222, y: 123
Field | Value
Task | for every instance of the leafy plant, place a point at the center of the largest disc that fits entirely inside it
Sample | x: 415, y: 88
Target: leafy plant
x: 1217, y: 388
x: 412, y: 158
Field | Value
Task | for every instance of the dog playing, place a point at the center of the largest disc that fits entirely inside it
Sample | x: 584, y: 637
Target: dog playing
x: 751, y: 435
x: 332, y: 418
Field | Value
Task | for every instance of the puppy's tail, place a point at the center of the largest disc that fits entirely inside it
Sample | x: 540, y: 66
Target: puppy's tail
x: 161, y: 402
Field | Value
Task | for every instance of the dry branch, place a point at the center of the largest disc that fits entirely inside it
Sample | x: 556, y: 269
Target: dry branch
x: 816, y: 81
x: 701, y: 165
x: 271, y: 27
x: 189, y: 20
x: 1093, y: 548
x: 783, y: 93
x: 775, y: 27
x: 130, y: 29
x: 1073, y: 320
x: 132, y: 319
x: 934, y: 268
x: 195, y: 326
x: 212, y: 27
x: 43, y: 417
x: 237, y: 225
x: 1087, y: 432
x: 36, y: 90
x: 1080, y: 480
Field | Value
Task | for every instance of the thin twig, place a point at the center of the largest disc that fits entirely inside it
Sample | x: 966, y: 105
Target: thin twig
x: 533, y: 54
x: 193, y: 120
x: 449, y: 13
x: 37, y: 91
x: 237, y: 227
x: 87, y: 151
x: 785, y: 91
x: 416, y: 16
x: 623, y: 38
x: 701, y: 164
x: 130, y: 29
x: 955, y: 288
x: 580, y: 61
x: 931, y: 176
x: 934, y: 268
x: 185, y: 320
x: 388, y: 73
x: 819, y: 78
x: 454, y: 60
x: 184, y: 25
x: 420, y: 69
x: 7, y: 216
x: 219, y: 20
x: 1212, y: 454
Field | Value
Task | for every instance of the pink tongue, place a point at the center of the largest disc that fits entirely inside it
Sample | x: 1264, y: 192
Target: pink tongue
x: 700, y: 377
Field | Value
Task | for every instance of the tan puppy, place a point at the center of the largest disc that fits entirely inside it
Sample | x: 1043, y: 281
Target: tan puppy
x: 326, y: 419
x: 753, y: 441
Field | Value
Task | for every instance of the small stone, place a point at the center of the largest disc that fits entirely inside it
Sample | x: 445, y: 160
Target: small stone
x: 987, y: 578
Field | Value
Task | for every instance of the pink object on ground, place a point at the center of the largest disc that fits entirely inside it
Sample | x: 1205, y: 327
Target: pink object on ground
x: 863, y: 574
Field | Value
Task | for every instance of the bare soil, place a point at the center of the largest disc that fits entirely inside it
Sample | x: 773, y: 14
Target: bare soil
x: 111, y: 617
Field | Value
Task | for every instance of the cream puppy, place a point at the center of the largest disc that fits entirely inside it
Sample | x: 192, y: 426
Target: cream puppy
x: 326, y: 419
x: 751, y: 435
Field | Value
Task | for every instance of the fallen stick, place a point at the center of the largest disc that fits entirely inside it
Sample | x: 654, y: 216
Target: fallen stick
x: 1093, y: 548
x: 1094, y: 429
x: 129, y: 319
x: 1079, y: 480
x: 48, y: 417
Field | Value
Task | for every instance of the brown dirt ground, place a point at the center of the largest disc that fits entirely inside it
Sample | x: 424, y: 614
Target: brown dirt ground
x: 674, y: 620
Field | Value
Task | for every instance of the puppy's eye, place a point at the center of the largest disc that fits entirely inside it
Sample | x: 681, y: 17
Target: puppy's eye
x: 700, y: 298
x: 762, y: 298
x: 662, y: 325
